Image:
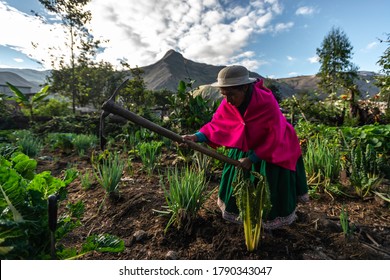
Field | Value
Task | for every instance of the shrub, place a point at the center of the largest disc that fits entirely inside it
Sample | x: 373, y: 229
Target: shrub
x: 53, y: 107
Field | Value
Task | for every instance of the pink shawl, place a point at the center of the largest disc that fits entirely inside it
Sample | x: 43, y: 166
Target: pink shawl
x: 263, y: 129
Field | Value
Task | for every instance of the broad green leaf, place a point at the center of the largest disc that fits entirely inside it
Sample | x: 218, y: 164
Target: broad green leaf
x: 41, y: 94
x: 17, y: 217
x: 104, y: 243
x: 23, y: 98
x: 45, y: 184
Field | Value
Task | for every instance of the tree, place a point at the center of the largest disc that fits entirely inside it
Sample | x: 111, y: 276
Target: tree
x: 94, y: 82
x: 135, y: 96
x: 384, y: 79
x: 337, y: 73
x: 81, y: 43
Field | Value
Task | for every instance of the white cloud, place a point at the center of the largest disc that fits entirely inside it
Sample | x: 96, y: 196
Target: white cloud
x: 19, y: 60
x: 293, y: 74
x: 371, y: 46
x: 290, y: 58
x: 314, y: 59
x: 201, y: 30
x: 143, y: 31
x: 305, y: 10
x: 27, y: 31
x: 280, y: 27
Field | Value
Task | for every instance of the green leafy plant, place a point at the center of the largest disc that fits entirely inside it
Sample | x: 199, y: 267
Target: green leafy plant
x: 188, y: 112
x: 63, y: 141
x: 53, y: 107
x: 378, y: 137
x: 149, y: 153
x: 253, y: 201
x: 185, y: 193
x: 23, y: 207
x: 29, y: 103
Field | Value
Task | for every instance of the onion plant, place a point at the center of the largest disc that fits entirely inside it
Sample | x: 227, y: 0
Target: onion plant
x: 322, y: 163
x: 29, y: 144
x: 364, y: 170
x: 344, y: 222
x: 185, y: 193
x: 83, y: 142
x: 108, y: 173
x: 202, y: 161
x: 149, y: 153
x: 86, y: 180
x: 253, y: 201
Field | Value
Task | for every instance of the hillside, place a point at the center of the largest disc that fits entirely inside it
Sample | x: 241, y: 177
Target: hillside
x: 173, y: 67
x: 306, y: 84
x: 35, y: 77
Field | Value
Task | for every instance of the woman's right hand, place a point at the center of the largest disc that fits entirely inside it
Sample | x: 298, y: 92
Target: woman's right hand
x: 190, y: 137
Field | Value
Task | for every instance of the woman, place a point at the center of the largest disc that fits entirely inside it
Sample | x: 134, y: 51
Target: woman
x: 250, y: 123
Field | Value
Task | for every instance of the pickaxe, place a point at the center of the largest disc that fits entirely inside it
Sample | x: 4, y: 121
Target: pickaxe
x: 110, y: 107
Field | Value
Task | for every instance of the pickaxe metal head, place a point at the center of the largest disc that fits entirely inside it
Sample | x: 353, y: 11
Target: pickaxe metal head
x: 104, y: 114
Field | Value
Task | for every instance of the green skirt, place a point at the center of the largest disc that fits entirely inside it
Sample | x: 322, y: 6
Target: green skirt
x: 285, y: 186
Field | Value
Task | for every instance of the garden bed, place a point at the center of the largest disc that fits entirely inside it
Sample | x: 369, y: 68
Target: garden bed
x: 317, y: 234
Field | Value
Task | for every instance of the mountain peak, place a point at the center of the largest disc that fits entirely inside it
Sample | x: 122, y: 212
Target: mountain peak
x: 172, y: 54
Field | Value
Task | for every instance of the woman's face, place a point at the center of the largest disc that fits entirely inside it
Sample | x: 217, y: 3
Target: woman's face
x: 234, y: 96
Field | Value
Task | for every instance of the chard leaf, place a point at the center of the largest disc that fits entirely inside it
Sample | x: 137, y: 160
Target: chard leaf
x: 18, y: 218
x: 24, y: 165
x: 45, y: 184
x: 104, y: 243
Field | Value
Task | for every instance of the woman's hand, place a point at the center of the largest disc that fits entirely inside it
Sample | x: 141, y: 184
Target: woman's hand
x: 246, y: 163
x: 187, y: 138
x: 190, y: 137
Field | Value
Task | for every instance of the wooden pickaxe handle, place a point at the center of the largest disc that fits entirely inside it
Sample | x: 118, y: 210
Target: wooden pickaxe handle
x: 111, y: 107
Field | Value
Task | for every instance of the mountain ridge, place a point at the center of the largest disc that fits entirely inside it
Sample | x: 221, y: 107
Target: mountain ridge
x: 173, y: 67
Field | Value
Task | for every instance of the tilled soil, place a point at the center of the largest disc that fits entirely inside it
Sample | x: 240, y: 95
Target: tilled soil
x: 316, y: 234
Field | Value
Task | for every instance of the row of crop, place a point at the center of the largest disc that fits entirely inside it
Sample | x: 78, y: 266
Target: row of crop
x: 29, y: 227
x: 362, y: 154
x: 346, y: 160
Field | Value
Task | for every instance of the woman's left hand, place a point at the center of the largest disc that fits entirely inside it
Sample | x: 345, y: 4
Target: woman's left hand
x: 246, y: 163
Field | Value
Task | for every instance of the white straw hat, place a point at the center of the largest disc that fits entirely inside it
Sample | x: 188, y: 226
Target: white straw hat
x: 233, y: 76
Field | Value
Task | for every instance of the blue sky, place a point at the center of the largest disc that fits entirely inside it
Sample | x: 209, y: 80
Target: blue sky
x: 275, y: 38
